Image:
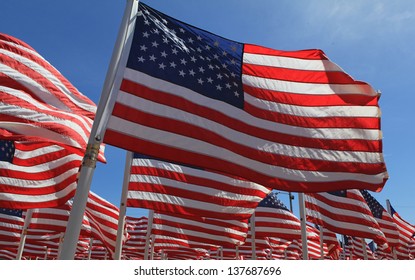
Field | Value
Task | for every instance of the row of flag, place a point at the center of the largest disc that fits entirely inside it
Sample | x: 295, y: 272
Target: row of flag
x: 272, y: 232
x: 215, y: 126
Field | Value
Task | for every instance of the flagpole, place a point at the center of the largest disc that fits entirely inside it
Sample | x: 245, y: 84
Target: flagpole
x: 73, y: 228
x: 321, y: 244
x: 253, y: 246
x: 123, y: 205
x: 303, y: 225
x: 365, y: 257
x: 148, y: 233
x: 389, y: 209
x: 23, y: 236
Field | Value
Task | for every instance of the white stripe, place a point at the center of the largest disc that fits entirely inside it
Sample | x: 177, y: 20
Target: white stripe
x: 314, y: 111
x: 190, y: 144
x: 307, y: 88
x: 290, y: 62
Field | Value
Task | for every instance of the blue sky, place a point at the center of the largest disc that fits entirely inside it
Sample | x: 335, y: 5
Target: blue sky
x: 373, y: 41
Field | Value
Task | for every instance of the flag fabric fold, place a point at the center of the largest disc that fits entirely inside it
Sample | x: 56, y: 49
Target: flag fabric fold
x: 344, y: 212
x: 286, y: 120
x: 168, y: 187
x: 37, y: 103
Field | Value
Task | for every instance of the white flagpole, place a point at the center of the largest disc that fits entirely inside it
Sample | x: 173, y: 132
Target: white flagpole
x: 23, y: 236
x: 91, y: 243
x: 237, y: 252
x: 303, y: 225
x: 153, y: 240
x: 123, y: 205
x: 104, y: 109
x: 252, y: 221
x: 321, y: 244
x: 148, y: 233
x: 364, y: 249
x: 388, y: 207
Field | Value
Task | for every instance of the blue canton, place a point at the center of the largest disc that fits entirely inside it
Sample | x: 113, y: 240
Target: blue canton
x: 6, y: 151
x: 272, y: 201
x: 184, y: 55
x: 376, y: 208
x: 11, y: 212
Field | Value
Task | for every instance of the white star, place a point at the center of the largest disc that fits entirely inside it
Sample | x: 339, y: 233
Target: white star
x: 219, y: 75
x: 183, y: 61
x: 191, y: 72
x: 152, y: 57
x: 172, y: 64
x: 218, y: 87
x: 182, y: 73
x: 141, y: 59
x: 190, y: 40
x: 174, y: 51
x: 146, y: 34
x: 155, y: 44
x: 201, y: 70
x: 143, y: 48
x: 193, y: 59
x: 210, y: 80
x: 200, y: 81
x: 162, y: 66
x: 164, y: 54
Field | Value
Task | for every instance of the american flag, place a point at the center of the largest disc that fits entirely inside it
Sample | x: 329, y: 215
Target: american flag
x: 37, y: 175
x: 273, y: 219
x: 11, y: 224
x: 406, y: 235
x: 55, y: 219
x: 37, y: 102
x: 286, y: 120
x: 226, y: 233
x: 384, y: 219
x: 137, y: 231
x: 344, y: 212
x: 173, y: 188
x: 103, y: 218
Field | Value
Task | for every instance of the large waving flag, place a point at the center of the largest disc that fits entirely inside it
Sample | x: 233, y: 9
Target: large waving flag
x: 289, y: 120
x: 173, y: 188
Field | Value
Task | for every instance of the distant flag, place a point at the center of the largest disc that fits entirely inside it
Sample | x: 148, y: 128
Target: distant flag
x: 136, y: 230
x: 173, y: 188
x: 37, y: 175
x: 286, y: 120
x: 103, y: 218
x: 273, y: 219
x: 406, y: 233
x: 37, y: 102
x: 384, y: 219
x: 226, y: 233
x: 11, y: 225
x: 344, y: 212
